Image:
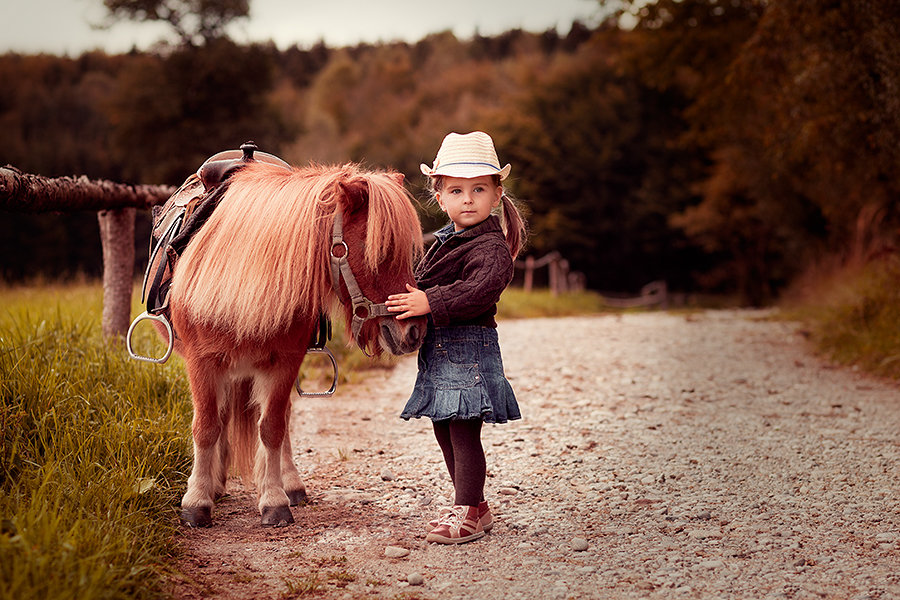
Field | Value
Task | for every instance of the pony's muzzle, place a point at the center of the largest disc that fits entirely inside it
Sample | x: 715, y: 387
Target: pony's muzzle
x: 403, y: 337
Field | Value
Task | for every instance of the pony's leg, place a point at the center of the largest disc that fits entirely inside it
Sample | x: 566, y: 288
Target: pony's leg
x: 223, y: 446
x: 272, y: 392
x: 293, y: 485
x: 206, y: 428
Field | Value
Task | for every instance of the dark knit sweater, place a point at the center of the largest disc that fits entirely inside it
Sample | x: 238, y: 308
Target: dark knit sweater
x: 464, y: 276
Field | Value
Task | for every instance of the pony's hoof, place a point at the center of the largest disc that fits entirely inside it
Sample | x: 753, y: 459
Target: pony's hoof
x: 277, y: 516
x: 196, y: 516
x: 297, y: 497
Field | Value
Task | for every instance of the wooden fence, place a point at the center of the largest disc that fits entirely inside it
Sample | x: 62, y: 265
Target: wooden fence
x: 117, y: 205
x: 560, y: 278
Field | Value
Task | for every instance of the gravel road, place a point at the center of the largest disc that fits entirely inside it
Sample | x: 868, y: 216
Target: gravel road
x: 702, y: 455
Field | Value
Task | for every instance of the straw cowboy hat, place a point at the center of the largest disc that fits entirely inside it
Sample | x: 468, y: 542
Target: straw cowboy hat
x: 466, y: 155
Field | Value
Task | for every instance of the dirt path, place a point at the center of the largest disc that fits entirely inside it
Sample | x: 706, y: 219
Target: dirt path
x: 699, y: 456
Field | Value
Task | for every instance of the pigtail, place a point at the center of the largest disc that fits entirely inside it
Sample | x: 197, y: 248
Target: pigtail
x: 513, y: 226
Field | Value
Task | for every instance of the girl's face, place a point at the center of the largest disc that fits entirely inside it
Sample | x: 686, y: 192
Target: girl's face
x: 468, y: 201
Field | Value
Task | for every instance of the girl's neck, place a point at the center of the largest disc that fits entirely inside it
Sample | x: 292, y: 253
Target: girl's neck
x: 458, y: 228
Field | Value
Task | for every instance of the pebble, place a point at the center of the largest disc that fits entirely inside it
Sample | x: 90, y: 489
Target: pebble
x: 508, y: 491
x: 705, y: 534
x: 579, y: 544
x: 415, y: 579
x: 396, y: 552
x: 387, y: 475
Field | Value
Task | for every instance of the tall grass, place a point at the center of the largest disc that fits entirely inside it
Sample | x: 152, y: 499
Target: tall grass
x: 853, y: 314
x: 94, y: 451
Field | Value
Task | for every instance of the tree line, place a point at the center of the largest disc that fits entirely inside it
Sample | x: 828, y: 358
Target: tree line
x: 719, y: 145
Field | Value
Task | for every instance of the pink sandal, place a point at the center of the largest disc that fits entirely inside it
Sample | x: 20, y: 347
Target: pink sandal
x: 458, y: 526
x: 484, y: 515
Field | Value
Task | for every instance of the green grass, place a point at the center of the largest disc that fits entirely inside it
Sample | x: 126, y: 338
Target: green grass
x: 516, y: 303
x: 94, y: 453
x: 853, y: 315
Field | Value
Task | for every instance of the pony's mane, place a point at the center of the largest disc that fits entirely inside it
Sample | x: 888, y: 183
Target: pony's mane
x: 262, y: 259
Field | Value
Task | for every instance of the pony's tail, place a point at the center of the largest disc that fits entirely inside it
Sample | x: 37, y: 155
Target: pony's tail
x: 242, y: 428
x: 513, y: 226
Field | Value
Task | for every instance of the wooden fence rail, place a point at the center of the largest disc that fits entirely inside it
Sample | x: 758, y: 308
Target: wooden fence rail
x: 117, y: 205
x: 655, y: 293
x: 22, y: 192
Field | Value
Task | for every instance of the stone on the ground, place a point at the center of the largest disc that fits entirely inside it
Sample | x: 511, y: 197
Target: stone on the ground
x: 396, y: 552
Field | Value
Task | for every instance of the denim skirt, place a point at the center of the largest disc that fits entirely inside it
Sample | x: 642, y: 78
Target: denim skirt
x: 461, y: 377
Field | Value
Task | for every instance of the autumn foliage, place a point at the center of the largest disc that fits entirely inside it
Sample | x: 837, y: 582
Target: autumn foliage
x: 720, y: 145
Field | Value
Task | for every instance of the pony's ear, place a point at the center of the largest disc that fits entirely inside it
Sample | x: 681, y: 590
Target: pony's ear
x: 356, y: 193
x: 398, y: 177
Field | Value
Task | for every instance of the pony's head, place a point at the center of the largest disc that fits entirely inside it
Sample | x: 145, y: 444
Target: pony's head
x: 263, y: 262
x: 374, y: 243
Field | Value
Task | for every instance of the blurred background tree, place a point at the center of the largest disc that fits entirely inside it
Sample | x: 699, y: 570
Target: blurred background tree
x: 721, y: 145
x: 195, y: 22
x: 171, y: 113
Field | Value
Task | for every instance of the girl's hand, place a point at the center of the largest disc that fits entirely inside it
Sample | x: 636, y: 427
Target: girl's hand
x: 412, y: 304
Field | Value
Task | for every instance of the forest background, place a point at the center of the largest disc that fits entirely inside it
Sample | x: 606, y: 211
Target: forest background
x: 724, y: 146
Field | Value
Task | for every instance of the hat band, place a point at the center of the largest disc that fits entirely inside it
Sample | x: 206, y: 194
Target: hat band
x: 454, y: 164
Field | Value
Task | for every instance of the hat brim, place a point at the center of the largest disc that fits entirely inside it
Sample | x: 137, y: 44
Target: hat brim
x: 466, y: 171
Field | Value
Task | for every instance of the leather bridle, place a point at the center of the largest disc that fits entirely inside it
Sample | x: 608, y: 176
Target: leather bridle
x: 363, y: 308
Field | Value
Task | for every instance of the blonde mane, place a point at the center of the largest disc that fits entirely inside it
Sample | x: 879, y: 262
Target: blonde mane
x: 262, y: 259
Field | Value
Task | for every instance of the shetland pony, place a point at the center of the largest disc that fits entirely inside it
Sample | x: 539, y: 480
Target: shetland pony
x: 245, y: 302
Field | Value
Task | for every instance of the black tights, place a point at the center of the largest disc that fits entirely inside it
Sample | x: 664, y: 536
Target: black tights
x: 460, y: 442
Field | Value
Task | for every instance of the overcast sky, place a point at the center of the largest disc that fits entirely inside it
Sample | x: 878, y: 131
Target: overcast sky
x: 64, y: 26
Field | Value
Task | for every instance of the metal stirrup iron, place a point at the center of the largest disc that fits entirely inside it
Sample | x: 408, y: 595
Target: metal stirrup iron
x: 161, y: 319
x: 318, y: 347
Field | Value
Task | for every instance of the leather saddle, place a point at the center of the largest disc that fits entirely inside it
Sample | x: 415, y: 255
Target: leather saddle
x: 184, y: 213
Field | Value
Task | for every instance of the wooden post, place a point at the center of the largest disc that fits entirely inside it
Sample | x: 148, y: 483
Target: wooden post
x: 553, y: 275
x: 117, y: 239
x: 563, y: 278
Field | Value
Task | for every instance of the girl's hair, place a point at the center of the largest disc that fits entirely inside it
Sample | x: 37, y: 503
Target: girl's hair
x: 511, y: 220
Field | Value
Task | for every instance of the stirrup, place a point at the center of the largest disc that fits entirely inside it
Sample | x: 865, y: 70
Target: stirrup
x: 166, y: 324
x: 334, y: 380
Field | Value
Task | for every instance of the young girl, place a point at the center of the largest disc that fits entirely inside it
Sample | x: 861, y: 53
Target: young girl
x: 460, y: 383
